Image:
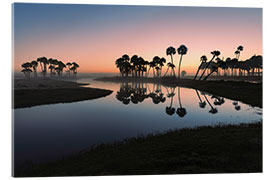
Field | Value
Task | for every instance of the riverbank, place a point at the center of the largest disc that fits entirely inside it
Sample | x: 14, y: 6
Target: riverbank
x: 30, y: 92
x: 246, y: 92
x: 219, y: 149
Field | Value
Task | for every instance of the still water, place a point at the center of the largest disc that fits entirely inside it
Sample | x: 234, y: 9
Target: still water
x: 49, y: 132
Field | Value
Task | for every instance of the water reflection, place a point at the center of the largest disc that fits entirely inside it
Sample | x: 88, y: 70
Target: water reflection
x: 134, y: 93
x: 48, y: 132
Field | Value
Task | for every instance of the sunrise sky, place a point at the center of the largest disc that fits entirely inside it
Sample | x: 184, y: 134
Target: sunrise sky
x: 94, y: 36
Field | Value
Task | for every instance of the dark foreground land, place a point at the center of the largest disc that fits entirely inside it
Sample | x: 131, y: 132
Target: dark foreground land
x: 220, y: 149
x: 38, y: 91
x: 246, y: 92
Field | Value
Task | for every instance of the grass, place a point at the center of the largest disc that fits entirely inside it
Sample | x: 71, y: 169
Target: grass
x: 219, y: 149
x: 246, y: 92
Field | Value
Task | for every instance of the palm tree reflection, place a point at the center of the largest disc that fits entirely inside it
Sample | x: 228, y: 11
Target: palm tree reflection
x: 218, y: 100
x: 202, y: 104
x: 236, y: 106
x: 137, y: 92
x: 180, y: 111
x: 170, y: 94
x: 213, y: 110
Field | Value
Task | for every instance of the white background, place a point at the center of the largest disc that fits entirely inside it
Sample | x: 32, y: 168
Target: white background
x: 6, y: 66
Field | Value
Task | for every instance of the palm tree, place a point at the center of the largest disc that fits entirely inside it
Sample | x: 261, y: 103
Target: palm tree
x: 152, y: 65
x: 162, y: 61
x: 74, y: 68
x: 183, y: 73
x: 239, y: 49
x: 34, y: 65
x: 156, y: 61
x: 170, y: 66
x: 26, y: 69
x: 213, y: 69
x: 180, y: 111
x: 119, y: 64
x: 44, y: 61
x: 135, y: 62
x: 61, y: 66
x: 171, y: 51
x: 215, y: 54
x: 52, y: 68
x: 182, y: 50
x: 203, y: 60
x: 68, y: 64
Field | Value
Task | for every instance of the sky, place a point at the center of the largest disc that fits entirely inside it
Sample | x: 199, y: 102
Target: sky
x: 94, y: 36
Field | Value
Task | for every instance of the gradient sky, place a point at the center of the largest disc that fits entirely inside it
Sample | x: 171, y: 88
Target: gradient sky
x: 96, y: 35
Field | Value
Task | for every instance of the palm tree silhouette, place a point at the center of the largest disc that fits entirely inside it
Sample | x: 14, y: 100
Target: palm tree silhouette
x: 239, y: 49
x: 202, y: 104
x: 215, y: 54
x: 34, y: 65
x: 43, y: 61
x: 182, y: 50
x: 74, y: 67
x: 170, y: 66
x: 180, y: 111
x: 203, y: 60
x: 68, y: 64
x: 161, y: 64
x: 26, y: 69
x: 213, y: 69
x: 171, y: 51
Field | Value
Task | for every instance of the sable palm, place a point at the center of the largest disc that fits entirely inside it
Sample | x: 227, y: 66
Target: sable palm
x: 26, y: 69
x: 75, y: 65
x: 239, y: 49
x: 182, y: 50
x: 203, y: 59
x: 68, y: 64
x: 215, y: 54
x: 135, y: 62
x: 34, y: 65
x: 170, y: 66
x: 162, y: 61
x: 119, y: 65
x: 43, y: 64
x: 156, y: 60
x: 171, y: 51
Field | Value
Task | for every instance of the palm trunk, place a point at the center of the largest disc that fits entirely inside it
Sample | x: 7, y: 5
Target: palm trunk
x: 180, y: 61
x: 208, y: 75
x: 198, y: 71
x: 206, y: 67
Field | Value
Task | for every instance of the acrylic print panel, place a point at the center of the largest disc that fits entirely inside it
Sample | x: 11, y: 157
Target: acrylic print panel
x: 135, y: 90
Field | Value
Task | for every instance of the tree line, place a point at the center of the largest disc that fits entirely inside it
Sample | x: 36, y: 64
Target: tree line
x: 230, y: 66
x: 55, y: 67
x: 137, y: 66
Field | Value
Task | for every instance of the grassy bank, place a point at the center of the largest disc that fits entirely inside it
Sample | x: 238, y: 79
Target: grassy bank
x: 39, y: 91
x: 246, y: 92
x: 220, y: 149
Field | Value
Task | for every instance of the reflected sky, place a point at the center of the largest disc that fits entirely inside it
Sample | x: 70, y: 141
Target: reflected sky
x: 49, y: 132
